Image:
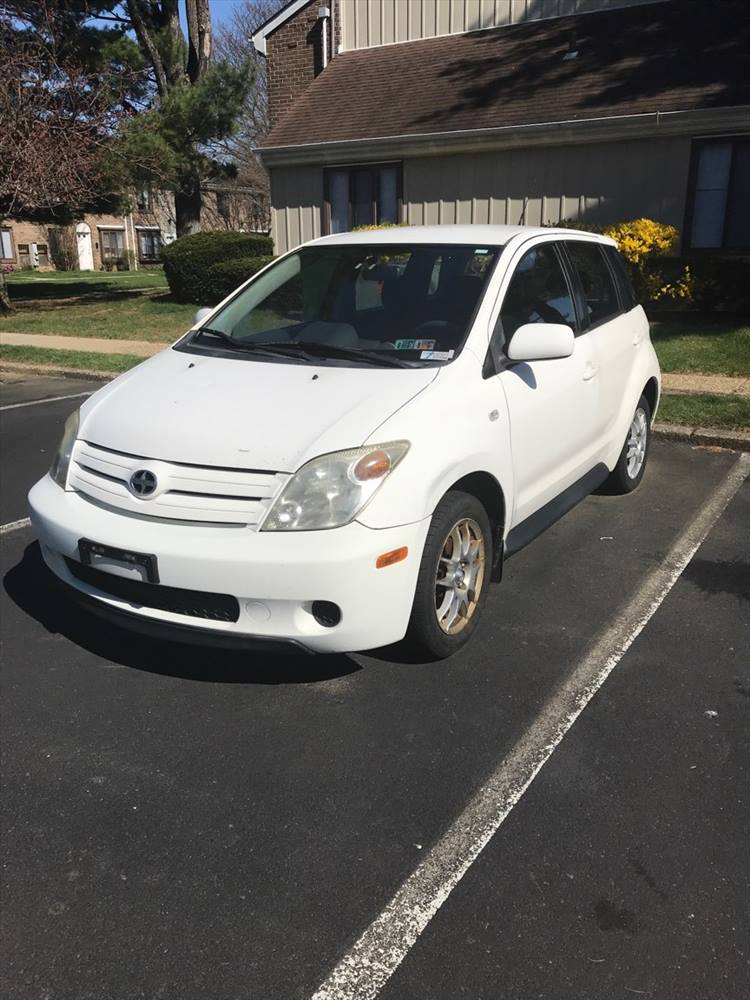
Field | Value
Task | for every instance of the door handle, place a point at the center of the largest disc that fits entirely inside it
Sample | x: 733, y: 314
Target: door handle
x: 589, y: 372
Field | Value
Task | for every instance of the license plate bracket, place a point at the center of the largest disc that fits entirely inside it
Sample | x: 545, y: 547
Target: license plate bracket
x: 93, y: 552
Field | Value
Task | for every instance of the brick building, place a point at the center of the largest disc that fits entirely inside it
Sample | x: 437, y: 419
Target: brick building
x: 130, y: 241
x: 96, y: 242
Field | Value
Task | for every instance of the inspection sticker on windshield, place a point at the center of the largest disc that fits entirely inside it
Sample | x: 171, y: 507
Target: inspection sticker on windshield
x: 415, y: 345
x: 436, y: 355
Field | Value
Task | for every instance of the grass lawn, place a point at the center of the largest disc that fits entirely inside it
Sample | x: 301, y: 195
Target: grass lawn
x: 128, y: 305
x: 83, y: 360
x: 729, y: 412
x: 134, y: 317
x: 34, y: 285
x: 713, y: 345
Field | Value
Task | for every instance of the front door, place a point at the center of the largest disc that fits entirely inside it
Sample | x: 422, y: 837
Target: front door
x: 552, y: 403
x: 614, y: 337
x: 85, y: 251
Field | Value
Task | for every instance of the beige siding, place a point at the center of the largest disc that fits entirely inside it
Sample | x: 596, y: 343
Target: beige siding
x: 366, y: 23
x: 601, y: 182
x: 297, y: 205
x: 597, y: 182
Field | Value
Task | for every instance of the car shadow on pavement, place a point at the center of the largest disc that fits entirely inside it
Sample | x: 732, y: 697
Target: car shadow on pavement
x: 32, y: 587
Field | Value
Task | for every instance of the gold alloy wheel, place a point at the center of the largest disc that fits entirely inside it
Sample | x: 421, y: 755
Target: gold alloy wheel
x: 460, y: 576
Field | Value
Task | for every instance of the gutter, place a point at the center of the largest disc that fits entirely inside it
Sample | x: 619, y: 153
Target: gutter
x: 569, y: 132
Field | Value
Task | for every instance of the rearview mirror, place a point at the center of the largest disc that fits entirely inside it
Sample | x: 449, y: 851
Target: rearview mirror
x: 541, y: 342
x: 201, y: 315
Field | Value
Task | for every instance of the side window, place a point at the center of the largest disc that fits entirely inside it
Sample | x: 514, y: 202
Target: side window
x: 538, y: 292
x: 598, y: 286
x: 622, y: 275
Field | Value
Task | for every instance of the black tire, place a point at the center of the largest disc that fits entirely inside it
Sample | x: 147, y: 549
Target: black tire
x: 425, y: 635
x: 620, y: 480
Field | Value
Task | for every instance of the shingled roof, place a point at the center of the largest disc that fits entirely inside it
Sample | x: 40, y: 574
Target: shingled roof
x: 672, y: 56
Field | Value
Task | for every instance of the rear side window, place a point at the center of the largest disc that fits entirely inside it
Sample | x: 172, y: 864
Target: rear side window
x: 622, y: 276
x: 598, y: 286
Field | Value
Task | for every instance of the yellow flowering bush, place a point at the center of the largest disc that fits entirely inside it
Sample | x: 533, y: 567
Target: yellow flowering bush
x: 642, y: 238
x: 640, y: 241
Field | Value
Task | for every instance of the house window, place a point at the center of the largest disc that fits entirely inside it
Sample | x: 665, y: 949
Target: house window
x: 362, y: 196
x: 720, y: 196
x: 149, y: 244
x: 6, y: 245
x: 112, y: 244
x: 42, y: 255
x: 143, y: 199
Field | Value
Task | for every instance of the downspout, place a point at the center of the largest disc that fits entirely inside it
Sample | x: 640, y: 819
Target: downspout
x: 324, y: 16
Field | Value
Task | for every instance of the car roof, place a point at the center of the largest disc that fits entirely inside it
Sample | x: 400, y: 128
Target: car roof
x: 459, y: 234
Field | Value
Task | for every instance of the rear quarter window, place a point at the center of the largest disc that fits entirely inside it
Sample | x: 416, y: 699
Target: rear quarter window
x: 622, y: 276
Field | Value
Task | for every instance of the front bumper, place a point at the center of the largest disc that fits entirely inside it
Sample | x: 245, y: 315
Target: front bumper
x: 275, y: 576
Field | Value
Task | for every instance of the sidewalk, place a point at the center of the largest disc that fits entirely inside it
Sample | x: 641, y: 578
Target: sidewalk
x: 681, y: 383
x: 92, y: 345
x: 689, y: 383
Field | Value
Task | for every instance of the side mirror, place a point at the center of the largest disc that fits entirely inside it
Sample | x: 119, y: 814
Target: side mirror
x: 201, y: 315
x: 541, y: 342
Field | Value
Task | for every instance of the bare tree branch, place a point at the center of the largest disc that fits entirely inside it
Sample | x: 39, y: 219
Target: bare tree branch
x: 147, y: 43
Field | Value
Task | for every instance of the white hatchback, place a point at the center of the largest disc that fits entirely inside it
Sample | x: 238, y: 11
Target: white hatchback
x: 343, y: 452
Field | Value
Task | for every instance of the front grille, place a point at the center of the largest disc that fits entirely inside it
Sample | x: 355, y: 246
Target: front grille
x: 185, y: 492
x: 192, y: 603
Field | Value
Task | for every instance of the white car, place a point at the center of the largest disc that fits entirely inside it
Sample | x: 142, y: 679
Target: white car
x: 343, y: 452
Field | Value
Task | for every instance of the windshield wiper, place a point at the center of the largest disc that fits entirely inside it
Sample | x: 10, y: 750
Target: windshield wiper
x: 312, y: 348
x: 307, y: 350
x: 262, y: 347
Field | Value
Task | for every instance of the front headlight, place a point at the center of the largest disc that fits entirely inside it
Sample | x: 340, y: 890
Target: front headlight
x: 61, y: 461
x: 331, y: 490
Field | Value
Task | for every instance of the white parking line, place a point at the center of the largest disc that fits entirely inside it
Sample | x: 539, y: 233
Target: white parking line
x: 51, y: 399
x: 25, y: 522
x: 374, y: 957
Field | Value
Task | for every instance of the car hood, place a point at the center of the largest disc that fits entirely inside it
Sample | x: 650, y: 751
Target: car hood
x: 244, y: 414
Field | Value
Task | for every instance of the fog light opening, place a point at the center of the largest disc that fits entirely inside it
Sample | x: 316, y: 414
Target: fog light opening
x: 326, y: 613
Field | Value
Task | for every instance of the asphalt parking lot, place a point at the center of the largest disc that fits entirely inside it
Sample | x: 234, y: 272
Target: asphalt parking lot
x: 181, y: 823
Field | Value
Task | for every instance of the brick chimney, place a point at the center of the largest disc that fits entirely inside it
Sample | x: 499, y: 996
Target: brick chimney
x: 294, y: 52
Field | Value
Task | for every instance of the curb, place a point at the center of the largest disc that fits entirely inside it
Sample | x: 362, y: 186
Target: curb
x: 30, y: 368
x: 716, y: 437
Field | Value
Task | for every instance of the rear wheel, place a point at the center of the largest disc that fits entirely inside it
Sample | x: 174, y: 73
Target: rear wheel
x: 453, y: 577
x: 631, y: 464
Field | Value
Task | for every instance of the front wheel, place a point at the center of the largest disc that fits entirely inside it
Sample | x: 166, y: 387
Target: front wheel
x: 453, y: 577
x: 631, y: 464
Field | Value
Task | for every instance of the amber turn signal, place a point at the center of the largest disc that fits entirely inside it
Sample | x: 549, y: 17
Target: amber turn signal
x: 389, y: 558
x: 373, y: 466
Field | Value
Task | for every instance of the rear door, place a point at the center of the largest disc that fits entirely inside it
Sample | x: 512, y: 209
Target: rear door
x: 551, y: 403
x: 613, y: 337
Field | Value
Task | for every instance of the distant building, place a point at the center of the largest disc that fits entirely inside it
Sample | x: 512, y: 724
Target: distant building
x: 509, y: 111
x: 131, y: 241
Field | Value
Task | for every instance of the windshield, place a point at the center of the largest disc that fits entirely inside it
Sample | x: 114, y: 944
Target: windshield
x: 401, y: 305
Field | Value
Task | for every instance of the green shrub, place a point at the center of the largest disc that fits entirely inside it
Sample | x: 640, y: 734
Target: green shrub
x: 584, y: 227
x: 187, y: 261
x: 227, y: 275
x: 721, y: 283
